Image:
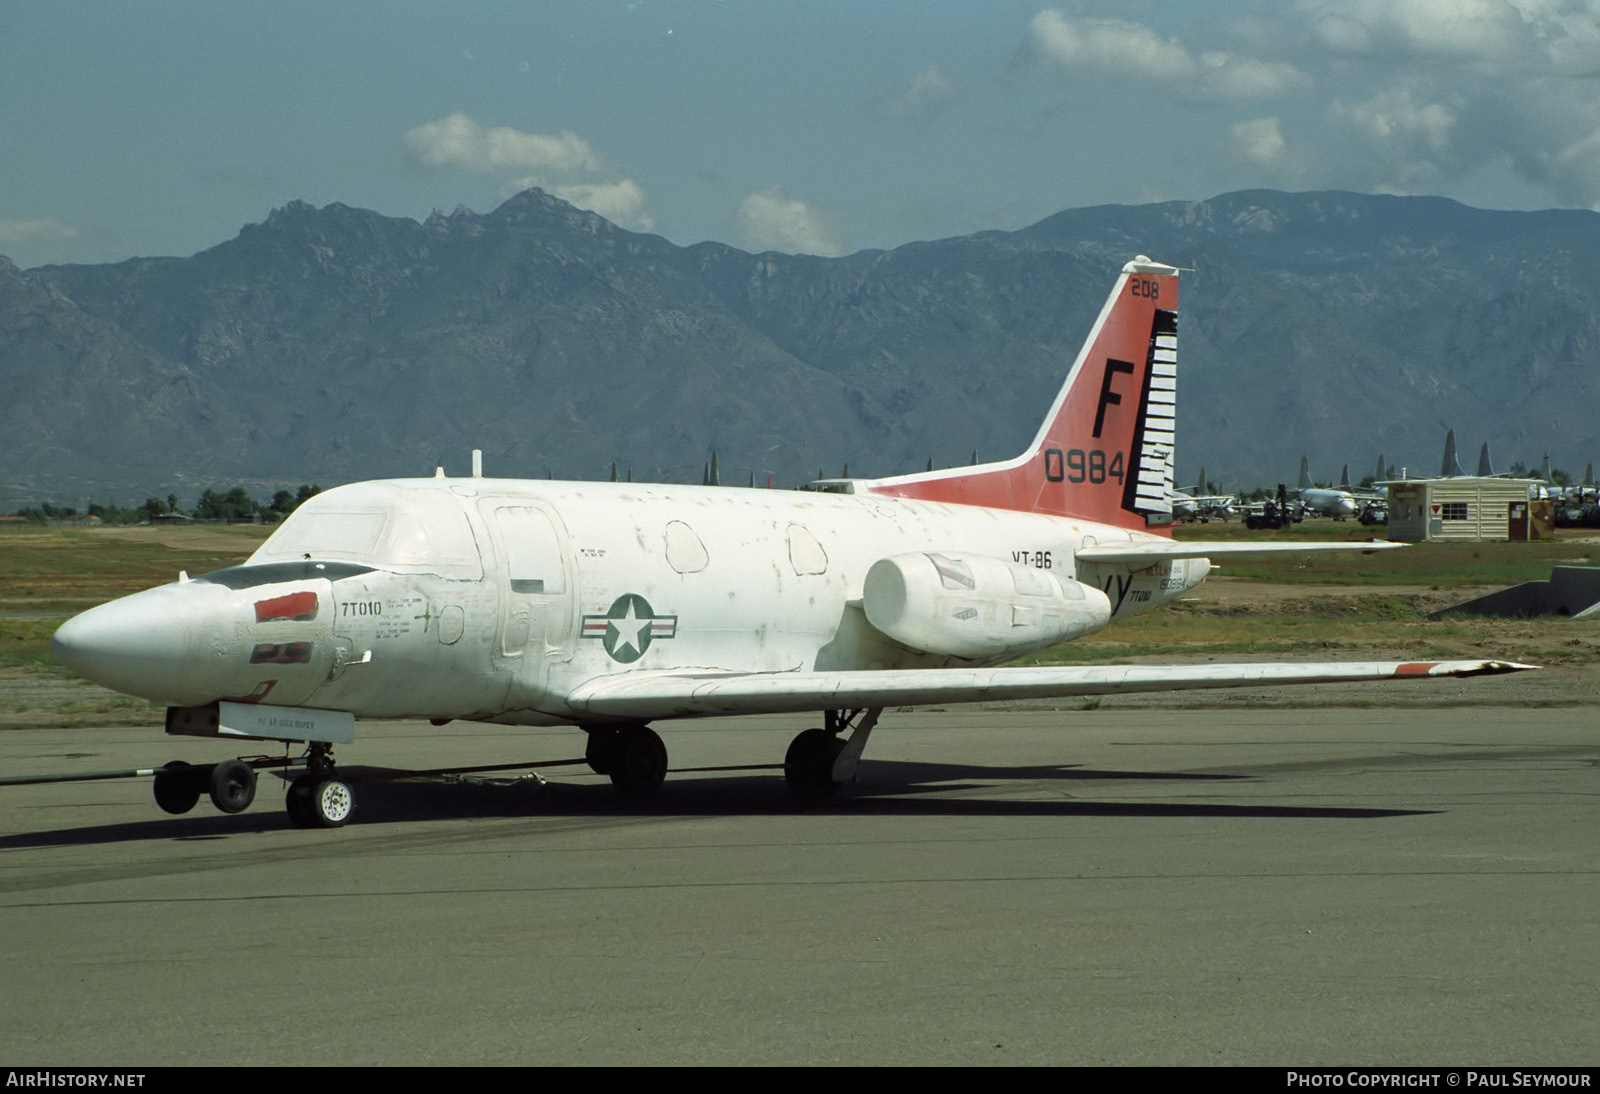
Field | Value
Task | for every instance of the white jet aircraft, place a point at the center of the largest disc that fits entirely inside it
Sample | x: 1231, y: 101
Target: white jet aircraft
x: 1200, y: 506
x: 609, y: 606
x: 1325, y: 501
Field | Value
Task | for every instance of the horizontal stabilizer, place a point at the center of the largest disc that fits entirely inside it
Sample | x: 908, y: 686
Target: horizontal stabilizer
x: 1148, y: 552
x: 652, y: 695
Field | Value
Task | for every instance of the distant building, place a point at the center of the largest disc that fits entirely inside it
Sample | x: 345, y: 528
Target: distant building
x: 1465, y: 507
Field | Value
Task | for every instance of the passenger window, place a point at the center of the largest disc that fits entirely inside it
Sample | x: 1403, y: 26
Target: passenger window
x: 685, y: 552
x: 805, y: 553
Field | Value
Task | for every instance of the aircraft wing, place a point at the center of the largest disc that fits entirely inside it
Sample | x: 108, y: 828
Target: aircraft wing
x: 669, y: 694
x: 1149, y: 552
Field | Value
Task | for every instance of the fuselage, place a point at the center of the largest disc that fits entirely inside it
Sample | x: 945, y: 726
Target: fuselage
x: 493, y: 599
x: 1329, y: 502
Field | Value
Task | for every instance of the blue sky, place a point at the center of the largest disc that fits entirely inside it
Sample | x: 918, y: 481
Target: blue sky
x: 826, y: 127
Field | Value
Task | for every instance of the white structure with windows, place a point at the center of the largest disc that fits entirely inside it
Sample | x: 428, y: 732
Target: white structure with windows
x: 1463, y: 507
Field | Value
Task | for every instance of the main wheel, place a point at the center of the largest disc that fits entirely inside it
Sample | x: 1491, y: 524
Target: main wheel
x: 177, y: 787
x: 637, y: 762
x: 233, y: 786
x: 808, y: 765
x: 600, y: 750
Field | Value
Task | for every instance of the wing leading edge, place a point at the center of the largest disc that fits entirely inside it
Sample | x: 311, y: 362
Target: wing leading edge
x: 653, y: 695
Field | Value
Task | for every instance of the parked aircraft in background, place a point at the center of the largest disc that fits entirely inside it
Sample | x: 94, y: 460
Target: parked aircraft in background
x: 1200, y: 506
x: 1324, y: 501
x: 609, y: 606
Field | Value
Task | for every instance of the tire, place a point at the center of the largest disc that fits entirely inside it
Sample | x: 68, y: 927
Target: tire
x: 177, y: 787
x: 808, y: 766
x: 638, y: 762
x: 330, y: 803
x: 233, y: 786
x: 600, y: 750
x: 297, y: 802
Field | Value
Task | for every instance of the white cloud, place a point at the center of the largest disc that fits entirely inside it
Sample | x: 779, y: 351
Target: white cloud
x: 1231, y: 77
x: 1124, y: 52
x: 1466, y: 97
x: 458, y: 141
x: 1395, y: 118
x: 1260, y: 142
x: 1482, y: 30
x: 47, y: 230
x: 1109, y: 47
x: 562, y: 163
x: 621, y: 202
x: 771, y: 221
x: 930, y: 92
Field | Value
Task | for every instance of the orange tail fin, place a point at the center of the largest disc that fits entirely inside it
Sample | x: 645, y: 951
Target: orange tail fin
x: 1104, y: 452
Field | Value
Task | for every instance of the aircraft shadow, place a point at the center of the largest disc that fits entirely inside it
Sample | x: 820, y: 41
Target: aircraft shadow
x: 885, y: 788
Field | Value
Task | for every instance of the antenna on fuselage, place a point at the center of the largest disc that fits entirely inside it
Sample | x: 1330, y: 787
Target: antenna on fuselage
x: 477, y: 463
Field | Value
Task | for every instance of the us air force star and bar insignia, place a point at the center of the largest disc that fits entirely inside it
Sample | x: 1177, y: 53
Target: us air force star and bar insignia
x: 629, y: 626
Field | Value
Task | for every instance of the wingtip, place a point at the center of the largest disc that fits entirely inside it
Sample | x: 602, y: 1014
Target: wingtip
x: 1461, y: 668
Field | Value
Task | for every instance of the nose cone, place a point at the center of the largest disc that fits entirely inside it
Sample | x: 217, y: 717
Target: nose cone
x: 167, y: 645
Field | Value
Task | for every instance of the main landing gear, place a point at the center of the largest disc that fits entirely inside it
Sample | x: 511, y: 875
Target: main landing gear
x: 819, y: 761
x: 633, y: 756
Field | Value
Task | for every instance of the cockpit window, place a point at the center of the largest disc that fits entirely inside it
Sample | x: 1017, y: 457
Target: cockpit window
x: 413, y: 530
x: 271, y: 573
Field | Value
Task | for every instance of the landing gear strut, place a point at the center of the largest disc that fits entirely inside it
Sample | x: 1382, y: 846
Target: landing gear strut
x: 819, y: 762
x: 633, y: 756
x: 319, y: 798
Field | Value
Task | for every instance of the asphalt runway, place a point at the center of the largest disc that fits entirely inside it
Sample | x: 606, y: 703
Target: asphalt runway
x: 1331, y: 886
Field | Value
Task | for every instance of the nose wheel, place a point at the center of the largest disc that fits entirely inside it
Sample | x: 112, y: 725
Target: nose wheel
x: 319, y: 798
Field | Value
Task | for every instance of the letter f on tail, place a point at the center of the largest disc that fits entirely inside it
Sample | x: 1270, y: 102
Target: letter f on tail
x: 1105, y: 450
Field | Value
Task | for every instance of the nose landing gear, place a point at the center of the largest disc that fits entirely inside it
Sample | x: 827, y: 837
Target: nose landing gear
x: 319, y: 798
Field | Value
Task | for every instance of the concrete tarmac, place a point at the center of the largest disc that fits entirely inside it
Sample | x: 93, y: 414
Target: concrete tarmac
x: 1331, y: 886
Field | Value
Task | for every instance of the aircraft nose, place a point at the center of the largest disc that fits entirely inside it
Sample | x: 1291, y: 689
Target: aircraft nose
x: 168, y: 645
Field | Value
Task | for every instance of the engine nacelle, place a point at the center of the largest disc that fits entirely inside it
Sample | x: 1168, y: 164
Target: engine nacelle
x: 977, y: 607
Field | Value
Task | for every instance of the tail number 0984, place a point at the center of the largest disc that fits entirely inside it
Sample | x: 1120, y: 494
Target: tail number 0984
x: 1077, y: 465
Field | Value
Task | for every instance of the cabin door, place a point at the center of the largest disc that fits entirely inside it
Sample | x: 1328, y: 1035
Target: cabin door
x: 536, y: 593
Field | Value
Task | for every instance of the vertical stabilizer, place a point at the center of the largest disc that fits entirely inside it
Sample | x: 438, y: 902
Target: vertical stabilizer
x: 1305, y: 475
x: 1450, y: 466
x: 1105, y: 451
x: 1485, y: 468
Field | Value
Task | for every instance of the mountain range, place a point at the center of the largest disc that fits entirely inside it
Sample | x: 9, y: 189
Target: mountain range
x: 337, y: 343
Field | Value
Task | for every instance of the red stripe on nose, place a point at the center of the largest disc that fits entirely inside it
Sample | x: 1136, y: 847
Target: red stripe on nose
x: 300, y: 607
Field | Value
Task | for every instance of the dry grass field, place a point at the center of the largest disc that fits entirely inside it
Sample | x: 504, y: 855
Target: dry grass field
x: 1290, y: 607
